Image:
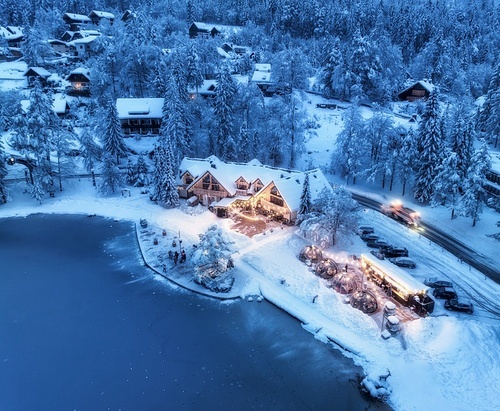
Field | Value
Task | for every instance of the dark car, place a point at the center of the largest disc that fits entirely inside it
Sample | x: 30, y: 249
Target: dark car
x: 403, y: 262
x: 377, y: 243
x: 365, y: 230
x: 393, y: 252
x: 455, y: 305
x: 434, y: 282
x: 446, y: 293
x: 369, y: 237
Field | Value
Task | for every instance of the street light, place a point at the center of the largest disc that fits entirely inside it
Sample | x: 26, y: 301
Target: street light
x: 93, y: 176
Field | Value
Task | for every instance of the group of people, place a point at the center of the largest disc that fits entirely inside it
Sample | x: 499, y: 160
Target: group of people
x: 175, y: 256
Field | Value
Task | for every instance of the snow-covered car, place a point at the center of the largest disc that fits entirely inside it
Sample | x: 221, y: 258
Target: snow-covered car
x: 455, y: 305
x: 365, y: 229
x: 434, y: 282
x: 394, y: 252
x: 369, y: 237
x: 446, y: 293
x: 403, y: 262
x: 377, y: 243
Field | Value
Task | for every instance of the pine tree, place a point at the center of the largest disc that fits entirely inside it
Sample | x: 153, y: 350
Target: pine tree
x: 489, y: 116
x: 141, y: 168
x: 3, y: 174
x: 224, y: 105
x: 164, y: 175
x: 407, y: 157
x: 447, y: 183
x: 430, y: 149
x: 305, y: 198
x: 112, y: 132
x: 473, y: 199
x: 111, y: 177
x: 462, y: 138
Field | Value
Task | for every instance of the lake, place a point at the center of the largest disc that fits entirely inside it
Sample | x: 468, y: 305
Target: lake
x: 84, y: 325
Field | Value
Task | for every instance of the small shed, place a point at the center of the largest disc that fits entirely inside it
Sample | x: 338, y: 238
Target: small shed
x: 34, y: 74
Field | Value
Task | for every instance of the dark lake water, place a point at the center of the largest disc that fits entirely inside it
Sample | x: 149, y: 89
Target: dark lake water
x: 84, y: 325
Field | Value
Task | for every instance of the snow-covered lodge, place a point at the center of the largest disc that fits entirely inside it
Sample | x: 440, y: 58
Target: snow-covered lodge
x: 417, y: 91
x: 250, y: 186
x: 140, y: 115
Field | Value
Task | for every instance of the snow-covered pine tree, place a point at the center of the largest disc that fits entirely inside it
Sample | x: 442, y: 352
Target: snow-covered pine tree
x: 194, y: 74
x: 349, y: 155
x: 224, y: 102
x: 332, y: 74
x: 111, y: 177
x: 407, y: 156
x: 474, y: 198
x: 431, y: 145
x: 245, y: 143
x: 461, y: 137
x: 131, y: 176
x: 164, y: 190
x: 447, y: 183
x: 488, y: 120
x: 3, y: 174
x: 305, y: 198
x: 112, y: 132
x: 142, y: 171
x: 90, y: 151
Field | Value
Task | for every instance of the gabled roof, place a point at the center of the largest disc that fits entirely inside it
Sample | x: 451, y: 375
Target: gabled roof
x: 102, y: 14
x: 77, y: 18
x: 288, y: 182
x: 37, y: 71
x: 223, y: 29
x: 81, y: 71
x: 11, y: 32
x: 129, y: 108
x: 59, y: 104
x: 424, y: 84
x: 265, y: 67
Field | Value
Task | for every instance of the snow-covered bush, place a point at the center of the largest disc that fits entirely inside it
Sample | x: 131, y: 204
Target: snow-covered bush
x: 376, y: 385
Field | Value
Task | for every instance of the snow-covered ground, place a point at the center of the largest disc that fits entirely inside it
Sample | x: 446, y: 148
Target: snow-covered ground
x: 445, y: 361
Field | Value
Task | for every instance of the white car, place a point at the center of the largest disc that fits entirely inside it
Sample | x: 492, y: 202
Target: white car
x: 403, y: 262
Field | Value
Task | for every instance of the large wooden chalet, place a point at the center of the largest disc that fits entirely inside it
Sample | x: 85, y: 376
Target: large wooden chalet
x: 140, y: 115
x: 417, y: 91
x: 198, y: 29
x: 250, y: 186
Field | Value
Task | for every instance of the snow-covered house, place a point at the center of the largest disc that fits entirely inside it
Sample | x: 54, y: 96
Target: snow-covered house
x: 75, y: 21
x: 140, y: 115
x: 13, y: 35
x: 199, y: 29
x: 417, y: 91
x: 34, y: 74
x: 70, y: 35
x: 79, y: 82
x: 60, y: 47
x: 97, y: 16
x: 262, y: 76
x: 82, y: 48
x: 251, y: 186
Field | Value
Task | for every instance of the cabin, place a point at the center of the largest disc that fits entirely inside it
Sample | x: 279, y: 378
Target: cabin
x: 205, y: 30
x: 251, y: 187
x: 79, y: 82
x: 82, y: 48
x: 80, y: 34
x: 140, y: 116
x: 75, y: 21
x: 13, y: 35
x: 417, y: 91
x: 59, y: 46
x: 97, y: 16
x: 262, y: 77
x: 34, y: 74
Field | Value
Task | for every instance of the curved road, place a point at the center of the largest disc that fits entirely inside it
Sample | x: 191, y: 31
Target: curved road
x: 450, y: 244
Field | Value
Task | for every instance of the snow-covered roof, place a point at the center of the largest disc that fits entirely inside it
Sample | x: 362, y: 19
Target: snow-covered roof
x: 139, y: 107
x: 80, y: 71
x: 84, y: 40
x: 424, y: 84
x: 77, y: 17
x: 102, y: 14
x: 219, y: 27
x: 261, y: 77
x: 11, y: 32
x: 59, y: 104
x: 288, y: 182
x: 264, y: 67
x: 38, y: 70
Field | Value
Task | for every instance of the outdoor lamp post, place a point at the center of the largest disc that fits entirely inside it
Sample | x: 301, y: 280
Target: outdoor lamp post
x: 93, y: 176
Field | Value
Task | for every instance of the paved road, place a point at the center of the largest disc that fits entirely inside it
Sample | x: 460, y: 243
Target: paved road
x: 450, y: 244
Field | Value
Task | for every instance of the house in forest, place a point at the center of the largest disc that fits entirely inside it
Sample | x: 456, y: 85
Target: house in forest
x: 60, y: 105
x: 198, y: 29
x: 251, y: 187
x: 417, y: 91
x: 82, y: 48
x: 13, y: 35
x: 34, y: 74
x: 79, y: 82
x: 75, y: 21
x: 97, y: 16
x: 262, y: 76
x: 140, y: 116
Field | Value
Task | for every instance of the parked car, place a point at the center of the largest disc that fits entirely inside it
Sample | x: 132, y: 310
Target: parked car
x: 434, y: 282
x: 377, y: 243
x: 446, y: 293
x: 455, y: 305
x: 377, y: 254
x: 365, y: 229
x: 394, y: 252
x: 403, y: 262
x: 369, y: 237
